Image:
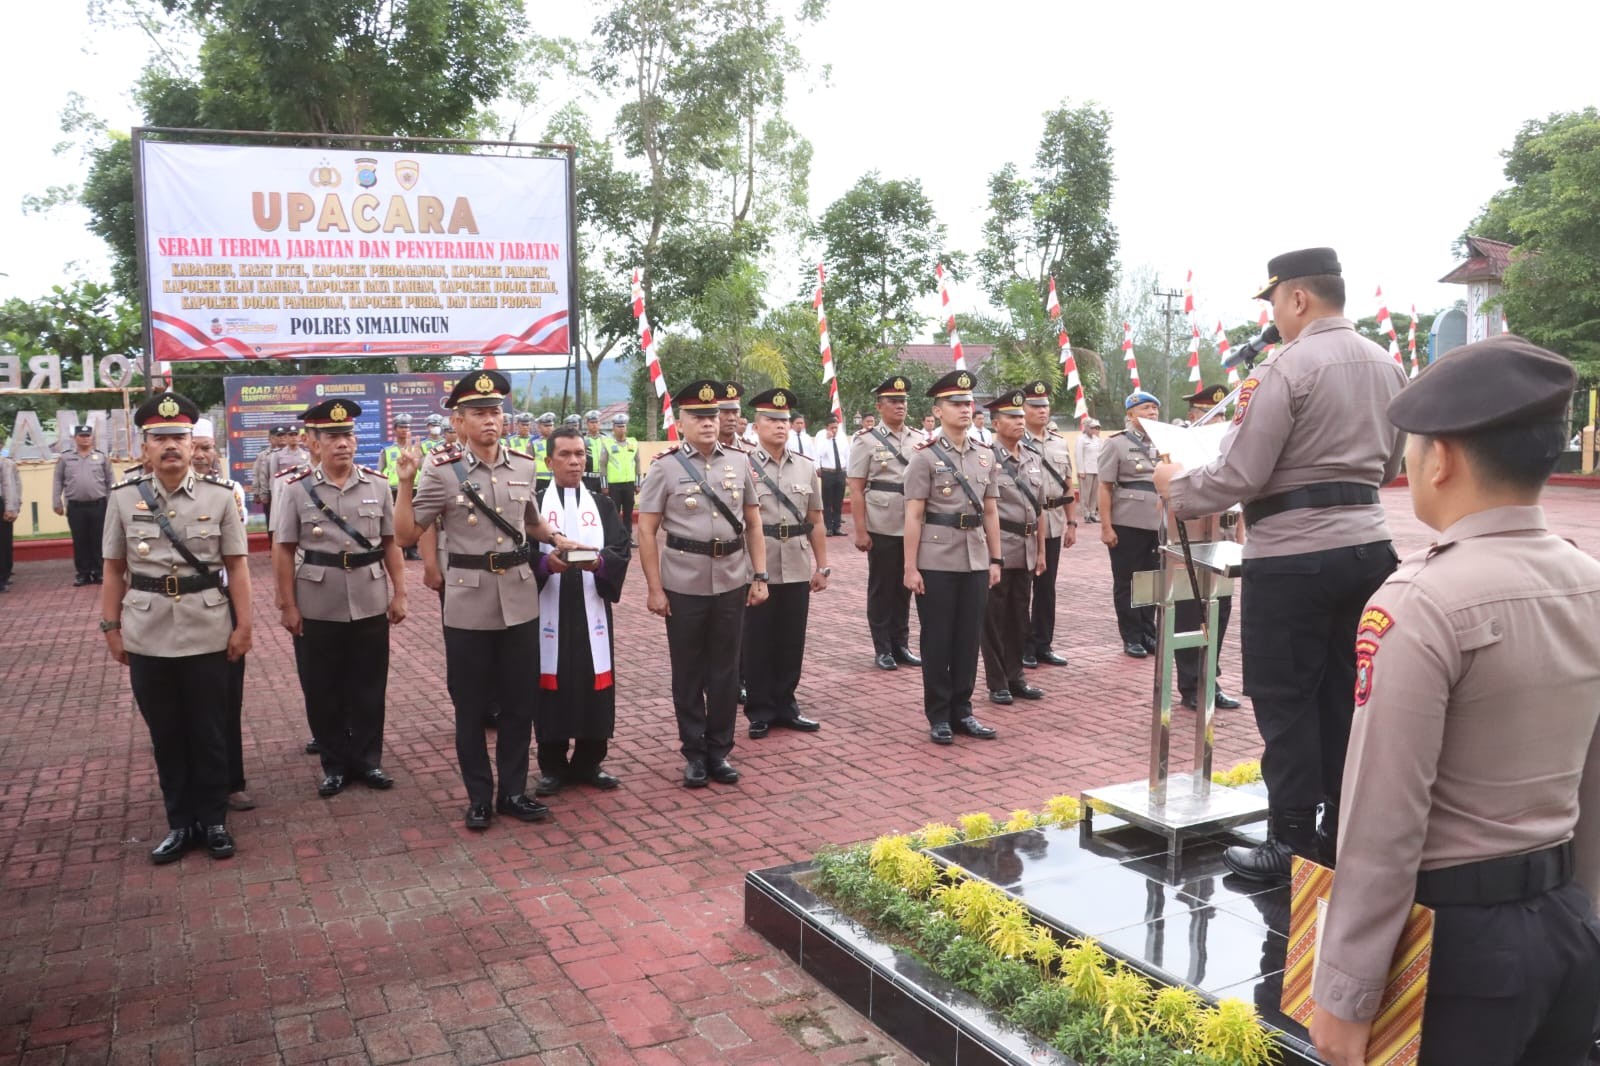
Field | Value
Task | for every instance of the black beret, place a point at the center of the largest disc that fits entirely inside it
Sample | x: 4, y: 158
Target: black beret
x: 1502, y: 381
x: 1306, y: 263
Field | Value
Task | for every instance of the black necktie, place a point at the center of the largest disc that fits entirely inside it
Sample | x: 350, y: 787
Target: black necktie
x: 836, y: 463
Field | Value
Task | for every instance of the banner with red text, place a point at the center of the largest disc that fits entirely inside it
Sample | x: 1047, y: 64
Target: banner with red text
x: 271, y: 253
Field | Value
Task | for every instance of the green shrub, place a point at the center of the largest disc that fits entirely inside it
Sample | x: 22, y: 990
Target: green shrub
x: 962, y: 959
x: 1001, y: 982
x: 1044, y: 1009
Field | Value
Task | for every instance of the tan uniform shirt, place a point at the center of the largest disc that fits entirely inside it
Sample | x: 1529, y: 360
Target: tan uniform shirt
x: 82, y: 478
x: 284, y: 463
x: 1089, y: 455
x: 10, y: 486
x: 788, y: 560
x: 672, y: 493
x: 1127, y: 467
x: 1055, y: 454
x: 1477, y: 698
x: 872, y: 459
x: 931, y: 478
x: 332, y: 593
x: 261, y: 474
x: 1018, y: 551
x: 203, y: 514
x: 1315, y: 412
x: 481, y: 599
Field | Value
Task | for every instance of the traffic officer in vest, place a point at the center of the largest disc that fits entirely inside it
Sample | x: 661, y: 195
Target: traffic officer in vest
x: 1018, y: 471
x: 482, y: 495
x: 876, y: 479
x: 335, y: 544
x: 790, y: 495
x: 1224, y: 526
x: 953, y: 558
x: 389, y: 463
x: 539, y: 448
x: 169, y: 538
x: 594, y: 438
x: 703, y: 497
x: 622, y: 470
x: 435, y: 438
x: 522, y: 439
x: 1060, y: 519
x: 729, y: 417
x: 1129, y: 518
x: 1308, y: 447
x: 1473, y: 779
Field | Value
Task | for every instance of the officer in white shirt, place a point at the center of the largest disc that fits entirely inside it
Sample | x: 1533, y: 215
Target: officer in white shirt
x: 831, y: 450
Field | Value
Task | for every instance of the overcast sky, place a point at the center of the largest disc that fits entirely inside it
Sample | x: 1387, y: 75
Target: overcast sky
x: 1240, y: 130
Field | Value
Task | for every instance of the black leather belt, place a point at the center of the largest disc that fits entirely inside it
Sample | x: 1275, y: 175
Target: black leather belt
x: 964, y: 520
x: 1142, y: 486
x: 1327, y: 494
x: 499, y: 562
x: 1056, y: 501
x: 785, y: 530
x: 344, y: 560
x: 1493, y: 881
x: 714, y: 548
x: 173, y: 585
x: 886, y: 486
x: 1026, y: 529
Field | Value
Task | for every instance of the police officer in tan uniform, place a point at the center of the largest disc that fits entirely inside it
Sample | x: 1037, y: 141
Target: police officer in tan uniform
x: 1307, y: 450
x: 10, y: 508
x: 169, y: 538
x: 789, y: 493
x: 1089, y: 469
x: 1060, y: 519
x: 730, y: 398
x: 80, y: 484
x: 1130, y: 515
x: 1473, y: 779
x: 952, y: 557
x: 333, y: 547
x: 482, y: 493
x: 878, y: 458
x: 702, y: 497
x: 1019, y: 475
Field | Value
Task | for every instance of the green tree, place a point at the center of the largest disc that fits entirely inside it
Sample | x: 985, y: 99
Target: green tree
x: 83, y: 320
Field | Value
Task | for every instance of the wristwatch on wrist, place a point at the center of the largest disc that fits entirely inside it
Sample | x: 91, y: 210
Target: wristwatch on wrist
x: 107, y: 625
x: 997, y: 562
x: 1070, y: 522
x: 759, y: 575
x: 825, y: 571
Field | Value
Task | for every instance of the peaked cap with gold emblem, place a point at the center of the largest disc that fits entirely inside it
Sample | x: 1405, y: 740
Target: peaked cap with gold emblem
x: 167, y: 415
x: 896, y: 386
x: 1008, y: 402
x: 956, y: 385
x: 332, y: 416
x: 700, y: 397
x: 1037, y: 393
x: 775, y: 403
x: 728, y: 399
x: 481, y: 388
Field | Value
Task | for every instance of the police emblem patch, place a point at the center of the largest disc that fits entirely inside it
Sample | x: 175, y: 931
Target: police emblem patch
x: 1375, y: 620
x: 1247, y: 390
x: 1366, y: 665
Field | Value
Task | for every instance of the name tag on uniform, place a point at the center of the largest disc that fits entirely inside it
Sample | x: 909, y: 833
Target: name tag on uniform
x: 137, y: 517
x: 369, y: 501
x: 509, y: 482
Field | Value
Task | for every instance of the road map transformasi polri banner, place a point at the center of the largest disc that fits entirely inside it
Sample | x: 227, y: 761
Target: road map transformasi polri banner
x: 273, y: 253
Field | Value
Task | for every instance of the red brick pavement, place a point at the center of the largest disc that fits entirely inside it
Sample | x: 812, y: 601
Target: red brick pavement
x: 373, y: 928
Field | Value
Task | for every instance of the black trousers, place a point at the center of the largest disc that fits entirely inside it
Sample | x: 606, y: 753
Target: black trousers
x: 6, y: 563
x: 266, y: 516
x: 488, y: 668
x: 1299, y: 618
x: 1187, y: 615
x: 233, y: 725
x: 183, y: 701
x: 1516, y: 984
x: 1136, y: 550
x: 87, y: 520
x: 567, y: 759
x: 950, y: 613
x: 345, y: 669
x: 833, y: 483
x: 774, y: 648
x: 1005, y: 629
x: 888, y: 599
x: 622, y: 494
x: 1042, y: 624
x: 704, y: 638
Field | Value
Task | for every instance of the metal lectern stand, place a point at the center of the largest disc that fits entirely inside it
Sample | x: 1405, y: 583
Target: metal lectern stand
x: 1185, y: 804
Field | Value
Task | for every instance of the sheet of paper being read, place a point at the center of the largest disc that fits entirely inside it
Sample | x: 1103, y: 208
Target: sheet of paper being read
x: 1190, y: 445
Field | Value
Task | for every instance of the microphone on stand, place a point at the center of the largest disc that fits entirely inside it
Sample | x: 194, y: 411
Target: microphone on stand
x: 1248, y: 352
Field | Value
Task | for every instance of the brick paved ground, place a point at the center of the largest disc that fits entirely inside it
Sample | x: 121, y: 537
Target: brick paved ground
x: 373, y: 928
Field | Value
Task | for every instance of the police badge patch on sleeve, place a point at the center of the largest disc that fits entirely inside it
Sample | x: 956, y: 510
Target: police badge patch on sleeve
x: 1366, y: 654
x: 1247, y: 390
x: 1375, y: 620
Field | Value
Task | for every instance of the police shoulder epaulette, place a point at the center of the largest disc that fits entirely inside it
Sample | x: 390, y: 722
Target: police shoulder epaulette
x: 132, y: 479
x: 1115, y: 433
x: 446, y: 456
x: 925, y: 444
x: 292, y: 470
x: 374, y: 471
x: 520, y: 454
x: 299, y: 474
x: 861, y: 433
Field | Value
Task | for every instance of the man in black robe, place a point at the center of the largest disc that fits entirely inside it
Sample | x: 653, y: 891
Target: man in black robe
x: 577, y: 715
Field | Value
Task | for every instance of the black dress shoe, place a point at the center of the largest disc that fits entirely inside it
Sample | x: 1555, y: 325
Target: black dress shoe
x: 376, y: 778
x: 1030, y: 661
x: 1267, y: 863
x: 1134, y: 651
x: 723, y: 772
x: 523, y: 808
x: 971, y: 727
x: 758, y: 730
x: 694, y: 774
x: 491, y: 721
x: 97, y: 578
x: 940, y: 734
x: 1149, y: 644
x: 172, y: 848
x: 1225, y: 702
x: 1190, y: 702
x: 799, y: 723
x: 599, y: 779
x: 886, y: 662
x: 1002, y: 696
x: 547, y: 785
x: 904, y: 657
x: 331, y: 785
x: 478, y: 816
x: 80, y: 580
x: 313, y: 748
x: 1050, y: 657
x: 219, y: 842
x: 1027, y: 692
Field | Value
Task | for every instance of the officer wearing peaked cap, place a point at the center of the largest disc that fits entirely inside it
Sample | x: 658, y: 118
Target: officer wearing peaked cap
x: 730, y: 396
x: 1129, y: 519
x: 953, y: 557
x: 1060, y: 516
x: 878, y: 460
x: 81, y: 482
x: 169, y: 536
x: 1473, y: 779
x: 1307, y: 450
x: 1019, y: 473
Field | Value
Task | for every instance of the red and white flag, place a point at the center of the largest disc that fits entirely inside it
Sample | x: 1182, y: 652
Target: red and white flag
x: 1411, y: 340
x: 1127, y: 354
x: 1188, y: 293
x: 829, y: 378
x: 1194, y: 354
x: 950, y: 317
x: 1223, y: 347
x: 1069, y: 365
x: 1386, y: 325
x: 647, y: 344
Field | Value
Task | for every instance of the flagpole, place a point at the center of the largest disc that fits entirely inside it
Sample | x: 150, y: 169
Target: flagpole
x: 949, y: 317
x: 647, y: 344
x: 829, y: 376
